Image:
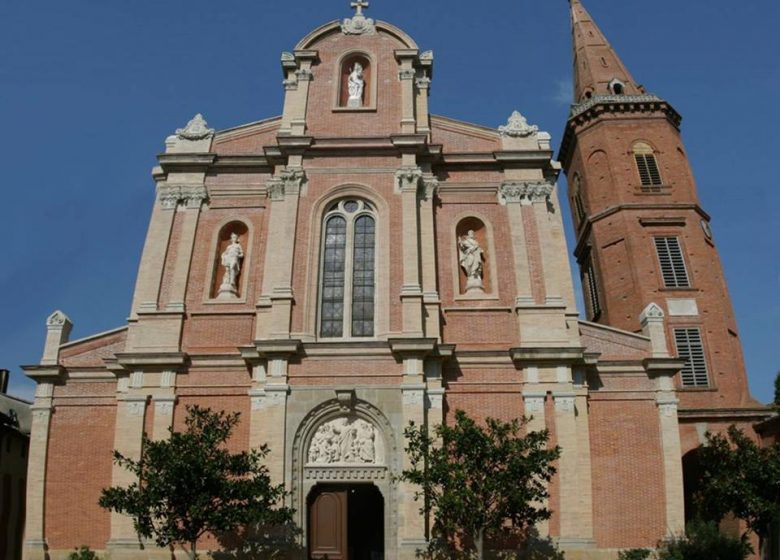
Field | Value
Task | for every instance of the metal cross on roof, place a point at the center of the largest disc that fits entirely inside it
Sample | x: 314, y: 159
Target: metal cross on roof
x: 359, y: 5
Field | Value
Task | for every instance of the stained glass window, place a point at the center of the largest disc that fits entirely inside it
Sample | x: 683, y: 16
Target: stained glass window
x: 348, y: 271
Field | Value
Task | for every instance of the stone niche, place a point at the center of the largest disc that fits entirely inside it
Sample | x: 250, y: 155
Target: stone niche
x: 346, y: 440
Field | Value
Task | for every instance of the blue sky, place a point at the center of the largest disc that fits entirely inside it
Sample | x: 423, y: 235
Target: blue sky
x: 89, y: 89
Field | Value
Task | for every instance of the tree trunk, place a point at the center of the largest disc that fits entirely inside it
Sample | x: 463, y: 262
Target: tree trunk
x: 480, y: 543
x: 193, y: 553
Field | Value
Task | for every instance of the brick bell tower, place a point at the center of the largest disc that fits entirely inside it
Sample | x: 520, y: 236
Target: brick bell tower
x: 641, y: 234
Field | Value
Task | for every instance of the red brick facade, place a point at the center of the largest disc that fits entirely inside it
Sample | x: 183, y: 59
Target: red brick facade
x: 607, y: 392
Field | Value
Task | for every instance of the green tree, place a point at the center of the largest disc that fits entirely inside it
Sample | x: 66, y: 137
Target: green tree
x: 190, y: 485
x: 479, y: 482
x: 704, y: 541
x: 742, y: 478
x: 776, y: 402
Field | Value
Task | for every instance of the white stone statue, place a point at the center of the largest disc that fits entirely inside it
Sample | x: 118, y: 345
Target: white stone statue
x: 344, y: 441
x: 355, y: 86
x: 471, y: 255
x: 231, y: 261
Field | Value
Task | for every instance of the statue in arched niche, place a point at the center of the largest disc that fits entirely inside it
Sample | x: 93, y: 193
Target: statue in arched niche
x: 471, y: 255
x: 231, y: 262
x: 344, y: 440
x: 355, y: 85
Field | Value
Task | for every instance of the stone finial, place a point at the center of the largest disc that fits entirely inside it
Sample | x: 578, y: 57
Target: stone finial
x: 193, y: 138
x: 652, y: 321
x: 517, y: 126
x: 358, y: 24
x: 196, y: 129
x: 58, y: 328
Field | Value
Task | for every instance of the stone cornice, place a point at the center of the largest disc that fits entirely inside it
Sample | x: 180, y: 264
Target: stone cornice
x: 44, y: 374
x: 152, y: 360
x: 600, y: 105
x: 562, y: 355
x: 725, y: 414
x: 584, y: 232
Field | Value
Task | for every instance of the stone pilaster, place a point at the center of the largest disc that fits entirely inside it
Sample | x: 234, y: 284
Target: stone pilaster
x: 533, y: 404
x: 297, y: 69
x: 566, y: 432
x: 128, y: 437
x: 192, y: 197
x: 407, y: 74
x: 268, y: 395
x: 275, y: 305
x: 409, y: 180
x: 35, y: 545
x: 663, y: 368
x: 431, y: 300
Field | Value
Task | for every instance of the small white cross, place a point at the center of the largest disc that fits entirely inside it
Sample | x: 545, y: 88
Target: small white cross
x: 359, y: 5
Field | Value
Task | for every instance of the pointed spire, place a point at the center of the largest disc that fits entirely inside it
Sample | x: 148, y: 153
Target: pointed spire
x: 598, y: 69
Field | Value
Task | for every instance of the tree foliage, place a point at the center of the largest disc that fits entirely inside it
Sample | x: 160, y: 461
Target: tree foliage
x: 740, y: 477
x: 190, y: 485
x: 776, y: 402
x: 479, y: 482
x: 704, y: 541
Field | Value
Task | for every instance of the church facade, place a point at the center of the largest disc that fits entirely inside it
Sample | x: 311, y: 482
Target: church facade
x: 333, y: 286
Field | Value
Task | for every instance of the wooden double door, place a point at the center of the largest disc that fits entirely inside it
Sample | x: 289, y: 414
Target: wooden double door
x: 346, y: 522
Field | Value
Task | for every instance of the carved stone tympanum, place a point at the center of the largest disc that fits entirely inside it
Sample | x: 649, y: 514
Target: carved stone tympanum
x: 344, y: 441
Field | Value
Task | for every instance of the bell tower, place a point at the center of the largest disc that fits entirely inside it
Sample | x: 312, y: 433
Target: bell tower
x: 642, y: 235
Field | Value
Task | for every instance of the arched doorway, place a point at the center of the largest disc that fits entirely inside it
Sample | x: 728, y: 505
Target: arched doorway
x: 346, y: 522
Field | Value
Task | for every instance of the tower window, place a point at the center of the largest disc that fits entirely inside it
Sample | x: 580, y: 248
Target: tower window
x: 579, y: 207
x: 347, y: 284
x: 690, y: 349
x: 617, y: 87
x: 590, y: 285
x: 647, y: 165
x: 672, y: 262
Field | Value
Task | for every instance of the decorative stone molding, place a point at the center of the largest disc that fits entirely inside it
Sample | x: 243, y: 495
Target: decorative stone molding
x: 409, y: 178
x: 625, y: 99
x: 190, y: 195
x: 423, y: 83
x: 358, y: 25
x: 344, y: 441
x: 517, y: 126
x: 407, y: 74
x: 344, y: 473
x: 651, y: 313
x: 44, y: 391
x: 136, y: 379
x: 346, y: 399
x: 413, y: 396
x: 262, y: 400
x: 667, y: 407
x: 525, y: 191
x: 430, y: 187
x: 123, y: 384
x: 304, y: 75
x: 426, y: 57
x: 534, y: 404
x: 167, y: 379
x: 564, y: 403
x: 289, y: 182
x: 290, y: 84
x: 435, y: 399
x: 164, y: 406
x: 136, y: 407
x: 57, y: 319
x: 196, y: 129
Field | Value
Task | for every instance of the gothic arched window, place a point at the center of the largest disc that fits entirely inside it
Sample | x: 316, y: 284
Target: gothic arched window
x: 347, y: 280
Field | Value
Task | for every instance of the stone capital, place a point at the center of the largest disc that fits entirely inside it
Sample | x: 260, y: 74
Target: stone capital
x: 525, y: 192
x: 289, y: 182
x: 409, y: 179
